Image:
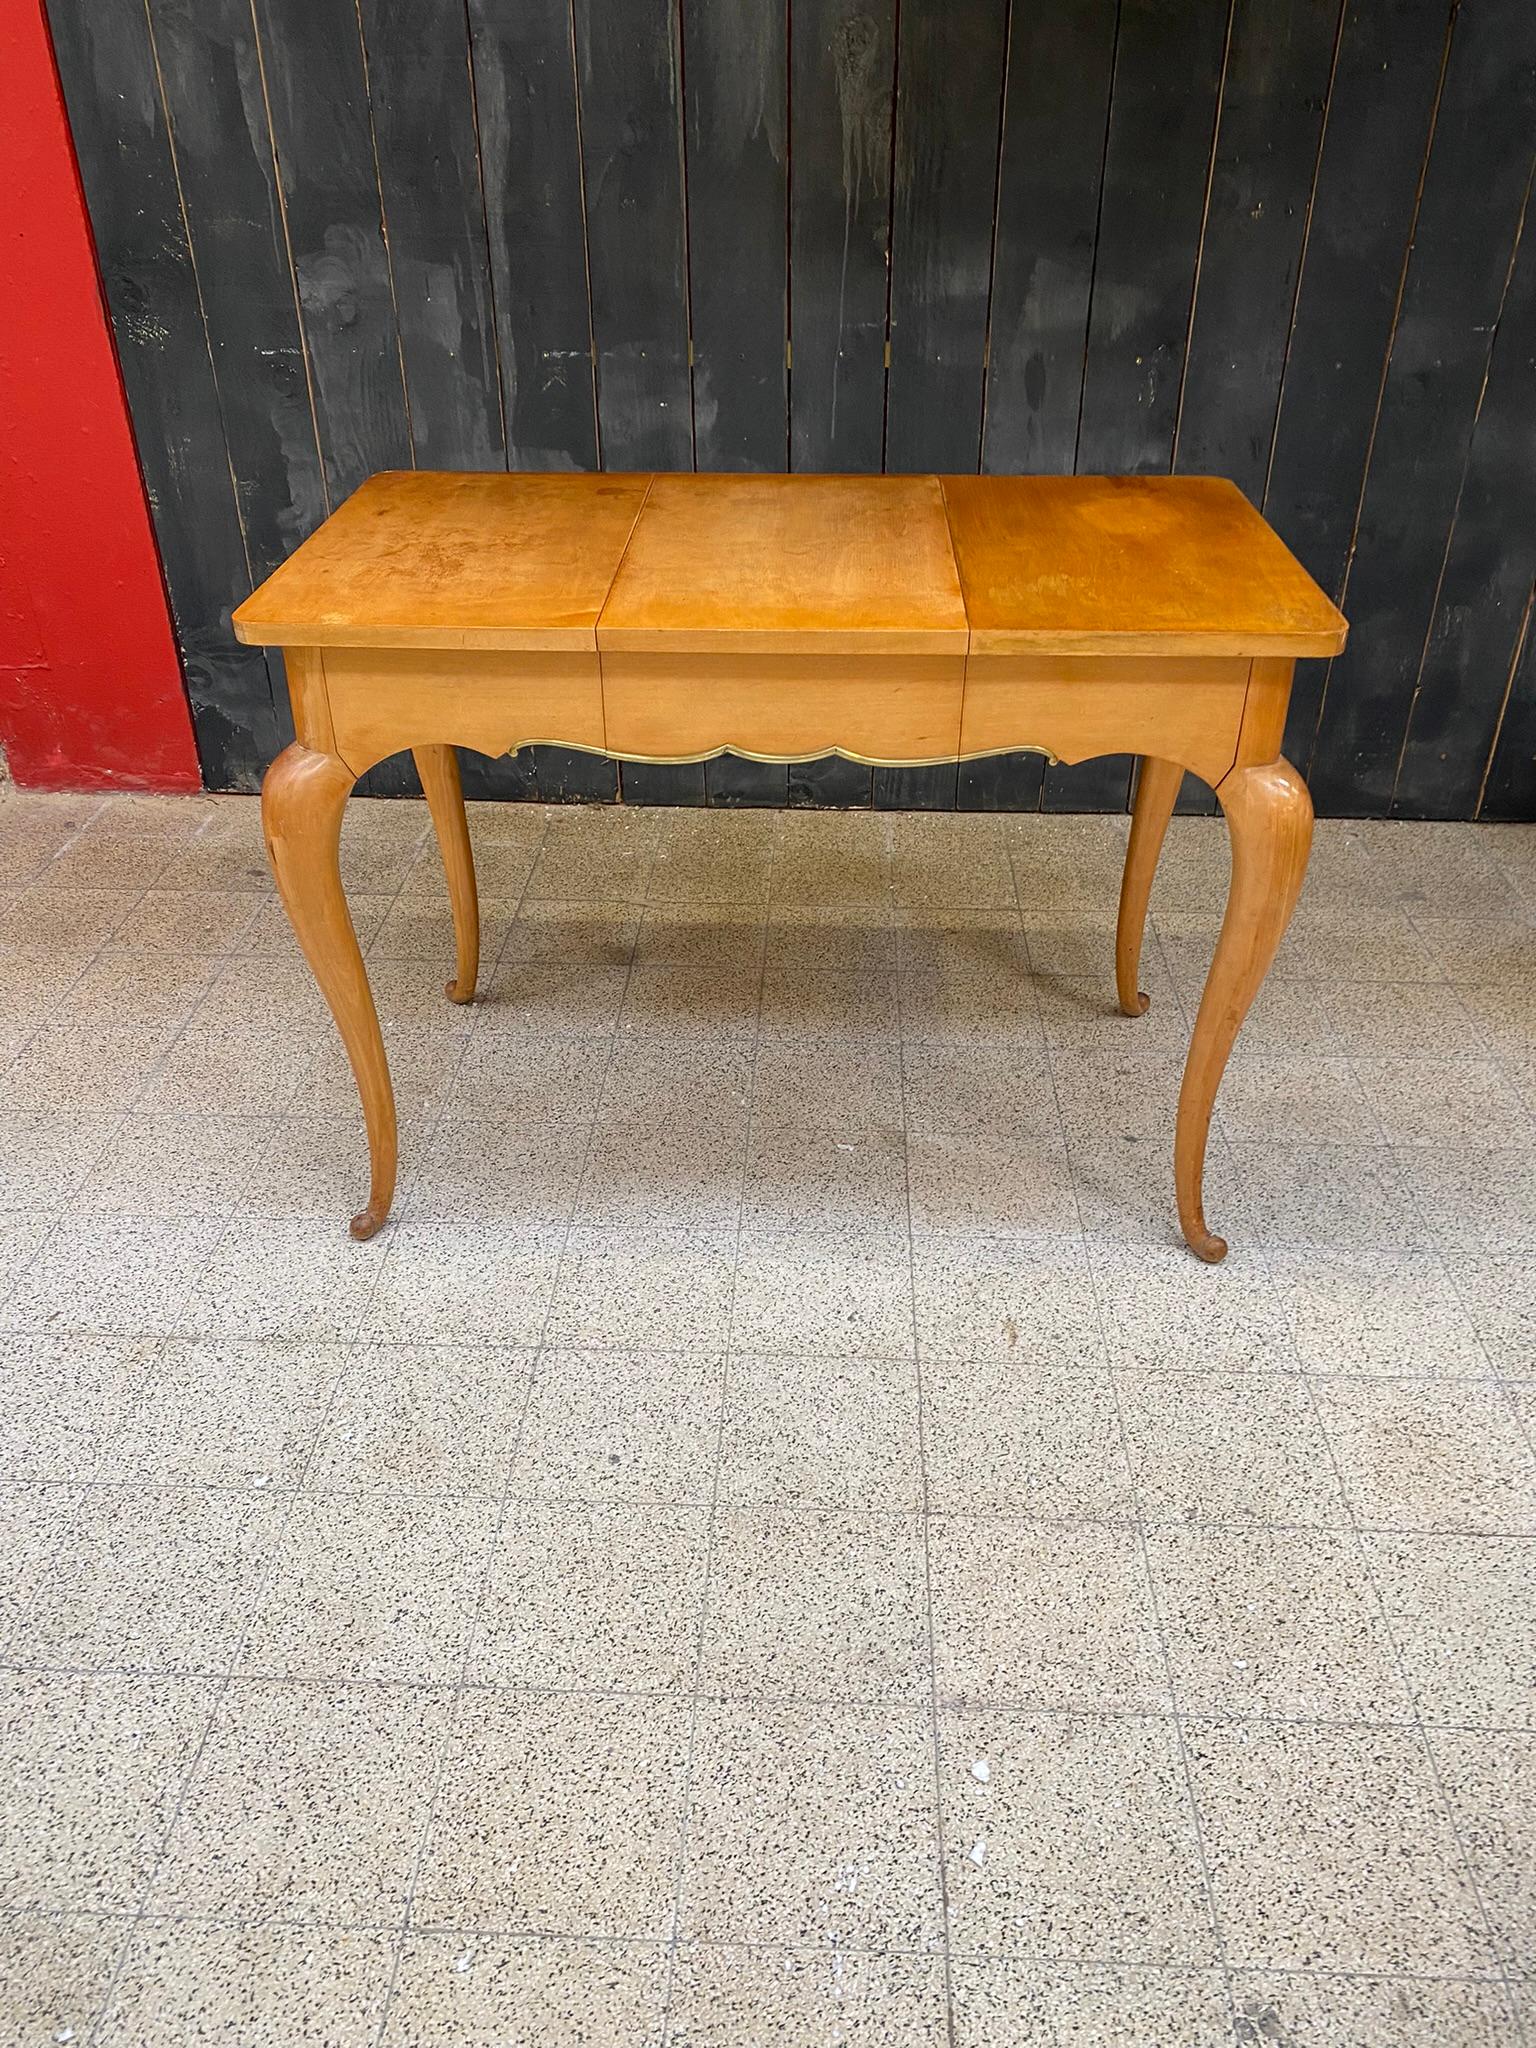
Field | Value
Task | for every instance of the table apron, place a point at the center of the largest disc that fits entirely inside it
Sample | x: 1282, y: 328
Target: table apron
x: 1205, y: 713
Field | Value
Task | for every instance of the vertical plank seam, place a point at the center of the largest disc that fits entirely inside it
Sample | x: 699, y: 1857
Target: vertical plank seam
x: 997, y: 195
x: 1386, y: 368
x: 1098, y: 223
x: 1504, y: 702
x: 485, y: 229
x: 986, y: 352
x: 675, y: 24
x: 1205, y: 221
x: 790, y: 450
x: 1093, y: 279
x: 293, y: 273
x: 890, y: 234
x: 1461, y: 485
x: 389, y: 258
x: 213, y: 373
x: 197, y: 282
x: 693, y: 430
x: 586, y: 239
x: 1306, y: 243
x: 1194, y: 283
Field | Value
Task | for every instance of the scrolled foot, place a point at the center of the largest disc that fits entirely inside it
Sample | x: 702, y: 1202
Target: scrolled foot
x: 458, y: 993
x: 1138, y: 1008
x: 1202, y: 1240
x: 368, y: 1223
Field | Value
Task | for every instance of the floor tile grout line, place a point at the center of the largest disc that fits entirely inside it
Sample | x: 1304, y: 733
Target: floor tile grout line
x: 1525, y: 1427
x: 1176, y: 1719
x: 1355, y: 1061
x: 609, y: 1036
x: 958, y: 1707
x: 455, y: 1693
x: 1496, y: 1948
x: 1504, y: 1384
x: 154, y: 1347
x: 177, y: 1331
x: 696, y: 1698
x: 106, y: 802
x: 1213, y: 1918
x: 925, y: 1525
x: 1422, y: 1245
x: 1069, y: 1962
x: 786, y: 1508
x: 47, y: 1566
x: 96, y: 800
x: 697, y: 1695
x: 221, y: 1685
x: 537, y: 1349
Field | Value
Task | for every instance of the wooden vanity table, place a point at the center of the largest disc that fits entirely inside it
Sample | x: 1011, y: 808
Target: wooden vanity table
x: 901, y: 621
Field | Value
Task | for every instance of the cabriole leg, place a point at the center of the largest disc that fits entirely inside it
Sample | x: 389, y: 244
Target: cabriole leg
x: 302, y: 800
x: 1157, y: 790
x: 1269, y: 817
x: 438, y: 768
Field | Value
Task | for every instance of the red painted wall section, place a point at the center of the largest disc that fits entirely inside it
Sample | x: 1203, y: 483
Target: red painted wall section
x: 91, y: 693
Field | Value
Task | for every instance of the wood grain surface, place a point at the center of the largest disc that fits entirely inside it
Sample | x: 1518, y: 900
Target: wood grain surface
x: 1130, y: 564
x: 807, y: 566
x: 437, y: 559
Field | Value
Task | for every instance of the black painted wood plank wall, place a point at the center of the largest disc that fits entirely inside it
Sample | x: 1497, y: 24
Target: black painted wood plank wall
x: 1289, y: 241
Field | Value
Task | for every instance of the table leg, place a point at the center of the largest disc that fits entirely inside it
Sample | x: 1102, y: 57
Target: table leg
x: 1157, y: 790
x: 302, y: 800
x: 1269, y: 817
x: 438, y: 768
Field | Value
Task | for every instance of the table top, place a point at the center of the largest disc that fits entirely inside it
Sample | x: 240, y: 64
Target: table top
x: 808, y: 564
x: 1130, y: 565
x: 449, y: 558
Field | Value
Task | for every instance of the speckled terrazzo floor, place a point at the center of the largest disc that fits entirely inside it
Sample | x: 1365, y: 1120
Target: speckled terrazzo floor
x: 777, y: 1543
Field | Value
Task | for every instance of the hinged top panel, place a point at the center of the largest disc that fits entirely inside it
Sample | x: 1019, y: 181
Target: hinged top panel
x: 788, y: 564
x: 1129, y: 565
x: 436, y: 558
